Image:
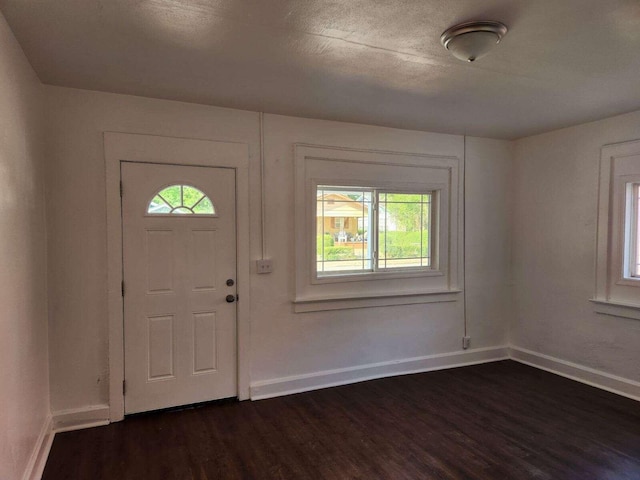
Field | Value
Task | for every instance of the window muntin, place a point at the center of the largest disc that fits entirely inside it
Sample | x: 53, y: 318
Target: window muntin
x: 366, y: 230
x: 180, y: 200
x: 343, y: 216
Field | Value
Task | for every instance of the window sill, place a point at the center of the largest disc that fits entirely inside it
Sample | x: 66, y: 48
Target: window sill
x: 616, y: 309
x: 380, y: 275
x: 303, y: 305
x: 630, y: 282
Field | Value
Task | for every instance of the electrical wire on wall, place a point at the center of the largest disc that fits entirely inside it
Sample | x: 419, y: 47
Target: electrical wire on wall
x: 262, y: 193
x: 464, y: 236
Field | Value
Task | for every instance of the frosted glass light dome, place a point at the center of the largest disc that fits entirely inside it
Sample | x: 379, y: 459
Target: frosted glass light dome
x: 470, y: 41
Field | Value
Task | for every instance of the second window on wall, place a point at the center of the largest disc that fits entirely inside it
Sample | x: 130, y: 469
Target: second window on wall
x: 362, y: 230
x: 618, y: 241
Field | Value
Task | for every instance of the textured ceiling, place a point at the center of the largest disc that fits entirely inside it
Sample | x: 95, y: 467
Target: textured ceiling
x: 379, y: 62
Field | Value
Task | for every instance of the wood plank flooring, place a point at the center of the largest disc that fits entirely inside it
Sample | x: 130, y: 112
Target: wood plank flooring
x: 495, y: 421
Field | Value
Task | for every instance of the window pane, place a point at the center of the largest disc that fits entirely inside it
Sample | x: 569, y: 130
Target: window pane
x: 425, y: 245
x: 405, y: 221
x: 346, y: 221
x: 172, y: 195
x: 403, y: 262
x: 343, y: 219
x: 204, y: 207
x: 158, y: 205
x: 180, y: 200
x: 190, y: 195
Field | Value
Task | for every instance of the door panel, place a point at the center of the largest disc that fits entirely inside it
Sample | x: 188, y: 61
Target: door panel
x: 204, y: 342
x: 159, y: 261
x: 160, y: 343
x: 202, y: 259
x: 180, y: 332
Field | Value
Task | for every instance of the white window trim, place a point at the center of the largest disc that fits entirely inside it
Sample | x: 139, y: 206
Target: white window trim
x: 615, y: 293
x: 616, y: 309
x: 314, y: 293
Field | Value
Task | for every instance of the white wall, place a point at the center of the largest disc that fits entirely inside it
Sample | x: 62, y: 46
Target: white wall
x: 24, y: 372
x: 556, y: 185
x: 489, y: 209
x: 283, y: 344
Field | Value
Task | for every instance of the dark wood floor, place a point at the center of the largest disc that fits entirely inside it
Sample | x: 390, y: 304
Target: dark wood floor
x: 495, y: 421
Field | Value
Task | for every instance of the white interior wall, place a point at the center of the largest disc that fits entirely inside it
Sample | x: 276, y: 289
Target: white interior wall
x: 283, y: 344
x: 555, y: 220
x: 489, y: 208
x: 24, y: 370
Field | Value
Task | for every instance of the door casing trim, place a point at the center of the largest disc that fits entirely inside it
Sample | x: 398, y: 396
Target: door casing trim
x: 141, y: 148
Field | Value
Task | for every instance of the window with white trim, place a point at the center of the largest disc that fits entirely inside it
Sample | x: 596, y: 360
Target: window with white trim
x: 618, y: 239
x: 375, y: 228
x: 362, y: 230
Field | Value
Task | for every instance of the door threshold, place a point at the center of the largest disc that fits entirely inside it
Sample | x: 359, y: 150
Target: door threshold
x: 191, y: 406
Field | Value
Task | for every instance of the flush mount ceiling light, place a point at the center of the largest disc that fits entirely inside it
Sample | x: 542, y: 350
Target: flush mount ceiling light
x: 473, y: 40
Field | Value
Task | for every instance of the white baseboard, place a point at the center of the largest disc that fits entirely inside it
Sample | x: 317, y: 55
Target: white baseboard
x: 342, y: 376
x: 75, y: 419
x: 40, y: 452
x: 595, y: 378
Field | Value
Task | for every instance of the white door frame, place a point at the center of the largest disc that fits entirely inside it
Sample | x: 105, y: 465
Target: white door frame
x: 120, y: 147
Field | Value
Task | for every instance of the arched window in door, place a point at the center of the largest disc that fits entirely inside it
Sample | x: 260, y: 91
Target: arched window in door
x: 180, y: 200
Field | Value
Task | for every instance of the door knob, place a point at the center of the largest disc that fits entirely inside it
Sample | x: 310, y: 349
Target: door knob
x: 230, y: 298
x: 230, y: 282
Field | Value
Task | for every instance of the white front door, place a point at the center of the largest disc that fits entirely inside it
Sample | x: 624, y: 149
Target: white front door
x: 179, y: 262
